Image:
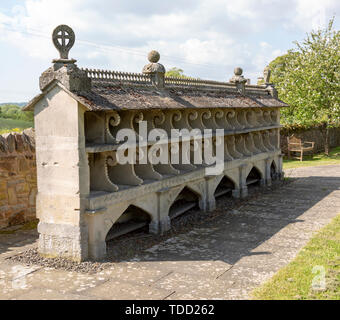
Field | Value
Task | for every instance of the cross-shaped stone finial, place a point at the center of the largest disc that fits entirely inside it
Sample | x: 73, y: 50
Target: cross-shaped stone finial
x: 63, y: 39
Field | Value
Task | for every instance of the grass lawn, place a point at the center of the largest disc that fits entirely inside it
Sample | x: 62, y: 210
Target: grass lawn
x: 9, y: 125
x: 318, y: 160
x: 294, y: 282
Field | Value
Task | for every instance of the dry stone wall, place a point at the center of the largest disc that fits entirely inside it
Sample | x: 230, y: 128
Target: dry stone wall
x: 18, y: 178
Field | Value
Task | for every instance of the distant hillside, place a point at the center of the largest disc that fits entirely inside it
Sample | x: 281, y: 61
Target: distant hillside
x: 9, y: 125
x: 19, y: 104
x: 14, y: 113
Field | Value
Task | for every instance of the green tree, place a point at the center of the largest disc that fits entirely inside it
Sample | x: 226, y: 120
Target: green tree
x: 176, y: 73
x: 278, y: 68
x: 308, y: 79
x: 15, y: 112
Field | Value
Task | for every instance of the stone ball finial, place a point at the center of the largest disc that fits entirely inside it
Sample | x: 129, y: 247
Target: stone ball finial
x: 238, y: 77
x: 238, y: 71
x: 154, y: 66
x: 154, y: 56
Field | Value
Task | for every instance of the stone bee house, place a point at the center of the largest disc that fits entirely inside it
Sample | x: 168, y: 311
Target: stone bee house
x: 85, y: 197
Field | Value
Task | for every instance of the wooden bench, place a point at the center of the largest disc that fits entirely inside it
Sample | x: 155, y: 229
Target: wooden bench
x: 297, y: 145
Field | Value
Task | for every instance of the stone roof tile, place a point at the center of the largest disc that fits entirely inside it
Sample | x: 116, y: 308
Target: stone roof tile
x: 137, y: 97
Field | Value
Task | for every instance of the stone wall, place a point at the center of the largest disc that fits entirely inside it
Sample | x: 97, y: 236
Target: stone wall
x: 18, y: 178
x: 312, y: 134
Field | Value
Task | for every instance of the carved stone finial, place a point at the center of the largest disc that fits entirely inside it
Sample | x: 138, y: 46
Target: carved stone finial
x: 155, y: 69
x: 238, y: 71
x: 266, y: 75
x: 154, y: 66
x: 239, y: 80
x: 154, y: 56
x: 64, y: 69
x: 63, y: 39
x: 269, y: 86
x: 238, y: 77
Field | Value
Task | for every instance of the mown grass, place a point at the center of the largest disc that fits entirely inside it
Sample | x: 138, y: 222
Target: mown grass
x: 11, y: 125
x: 318, y: 160
x: 294, y: 282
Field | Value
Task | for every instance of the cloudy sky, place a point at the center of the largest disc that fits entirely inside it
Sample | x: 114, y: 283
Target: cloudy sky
x: 206, y: 38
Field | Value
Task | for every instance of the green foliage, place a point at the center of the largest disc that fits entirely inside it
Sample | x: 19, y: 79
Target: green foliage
x: 278, y: 68
x: 175, y: 72
x: 10, y: 125
x: 260, y: 82
x: 14, y: 112
x: 291, y: 128
x: 308, y: 79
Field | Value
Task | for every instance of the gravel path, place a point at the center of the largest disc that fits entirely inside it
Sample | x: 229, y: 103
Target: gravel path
x: 219, y: 255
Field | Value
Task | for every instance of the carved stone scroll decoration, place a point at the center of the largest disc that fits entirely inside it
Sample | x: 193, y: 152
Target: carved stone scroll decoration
x: 112, y: 121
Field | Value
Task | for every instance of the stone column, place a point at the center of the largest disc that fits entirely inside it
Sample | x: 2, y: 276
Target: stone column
x: 63, y: 176
x: 280, y: 170
x: 62, y: 162
x: 210, y: 190
x: 243, y: 184
x: 268, y: 177
x: 165, y: 199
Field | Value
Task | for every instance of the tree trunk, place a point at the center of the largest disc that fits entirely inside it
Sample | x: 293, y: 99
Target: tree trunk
x: 326, y: 142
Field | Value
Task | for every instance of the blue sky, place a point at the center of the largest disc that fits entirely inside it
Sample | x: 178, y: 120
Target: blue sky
x: 206, y: 38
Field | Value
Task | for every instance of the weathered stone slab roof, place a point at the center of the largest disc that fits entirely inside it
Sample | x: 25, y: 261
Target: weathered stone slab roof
x: 101, y: 90
x: 121, y: 94
x: 131, y: 97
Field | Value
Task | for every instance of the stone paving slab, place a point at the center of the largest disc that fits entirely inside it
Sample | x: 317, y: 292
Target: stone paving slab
x: 13, y: 279
x: 123, y: 290
x: 198, y: 268
x: 49, y: 294
x: 63, y: 281
x: 192, y: 286
x: 139, y: 275
x: 224, y: 259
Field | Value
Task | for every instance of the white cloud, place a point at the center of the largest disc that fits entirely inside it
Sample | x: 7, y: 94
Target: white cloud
x: 314, y: 14
x: 265, y: 55
x: 206, y: 38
